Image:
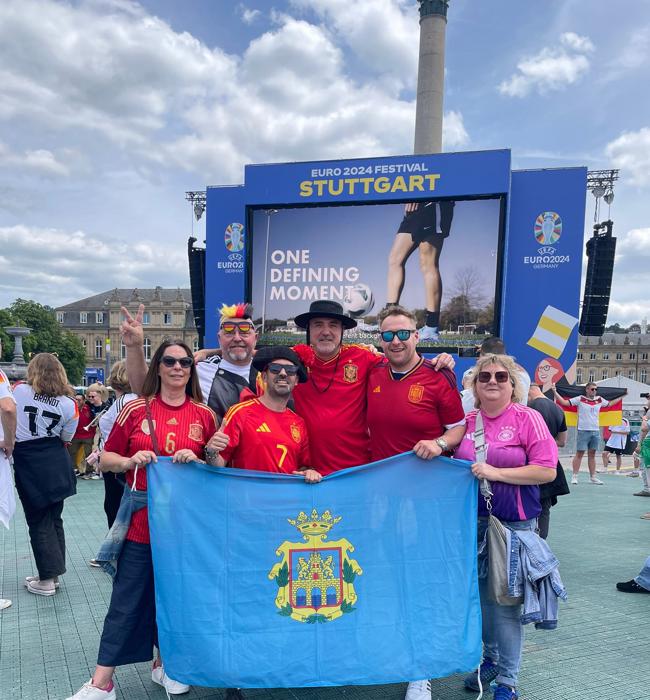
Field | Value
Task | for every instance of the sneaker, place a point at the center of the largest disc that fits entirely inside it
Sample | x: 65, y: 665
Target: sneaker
x: 418, y: 690
x: 95, y: 564
x: 489, y: 672
x: 574, y: 479
x: 642, y: 493
x: 505, y: 692
x: 35, y: 578
x: 428, y: 334
x: 173, y: 687
x: 645, y: 516
x: 88, y: 691
x: 39, y: 587
x: 95, y: 476
x: 4, y: 603
x: 631, y: 587
x: 595, y: 481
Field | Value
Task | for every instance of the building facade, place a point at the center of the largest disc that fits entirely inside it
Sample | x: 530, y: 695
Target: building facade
x: 96, y: 322
x: 613, y: 355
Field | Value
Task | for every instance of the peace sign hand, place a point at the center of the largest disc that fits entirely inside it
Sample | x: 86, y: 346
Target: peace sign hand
x: 131, y: 328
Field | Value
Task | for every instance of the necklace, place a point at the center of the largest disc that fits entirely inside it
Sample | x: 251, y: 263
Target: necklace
x: 329, y: 384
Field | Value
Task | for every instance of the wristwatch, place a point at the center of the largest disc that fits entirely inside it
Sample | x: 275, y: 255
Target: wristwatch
x: 442, y: 444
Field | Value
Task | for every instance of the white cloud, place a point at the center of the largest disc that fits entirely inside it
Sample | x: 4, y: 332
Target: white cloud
x: 631, y: 153
x: 41, y: 161
x: 635, y: 243
x: 454, y: 134
x: 61, y: 266
x: 550, y: 69
x: 248, y: 15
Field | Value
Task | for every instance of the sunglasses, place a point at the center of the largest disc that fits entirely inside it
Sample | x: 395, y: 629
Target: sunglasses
x: 402, y: 334
x: 500, y: 377
x: 184, y: 362
x: 276, y: 368
x: 244, y: 328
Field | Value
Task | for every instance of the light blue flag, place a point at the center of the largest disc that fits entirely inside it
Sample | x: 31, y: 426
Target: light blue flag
x: 264, y: 581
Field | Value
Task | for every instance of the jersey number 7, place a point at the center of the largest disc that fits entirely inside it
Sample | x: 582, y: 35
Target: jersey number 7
x: 32, y: 414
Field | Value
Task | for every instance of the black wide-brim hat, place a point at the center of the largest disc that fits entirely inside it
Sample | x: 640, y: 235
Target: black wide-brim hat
x: 264, y: 356
x: 324, y: 308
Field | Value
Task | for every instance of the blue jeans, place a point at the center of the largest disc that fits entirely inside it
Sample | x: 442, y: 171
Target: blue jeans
x: 643, y: 579
x: 503, y: 633
x: 587, y: 440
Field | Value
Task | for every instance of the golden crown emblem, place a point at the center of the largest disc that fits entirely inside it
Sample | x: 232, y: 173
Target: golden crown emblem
x: 314, y: 524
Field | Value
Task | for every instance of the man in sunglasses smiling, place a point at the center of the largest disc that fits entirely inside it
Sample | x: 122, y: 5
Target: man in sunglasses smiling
x: 410, y: 406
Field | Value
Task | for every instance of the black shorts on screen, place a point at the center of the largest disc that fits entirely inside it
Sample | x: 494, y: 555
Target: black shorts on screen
x: 422, y: 223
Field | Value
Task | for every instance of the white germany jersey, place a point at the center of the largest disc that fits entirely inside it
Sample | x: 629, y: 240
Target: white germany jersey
x: 42, y: 416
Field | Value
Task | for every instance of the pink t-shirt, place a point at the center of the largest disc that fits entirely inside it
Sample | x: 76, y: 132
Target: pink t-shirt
x: 516, y: 437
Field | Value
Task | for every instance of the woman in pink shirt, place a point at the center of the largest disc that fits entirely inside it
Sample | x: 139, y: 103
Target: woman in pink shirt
x: 520, y: 455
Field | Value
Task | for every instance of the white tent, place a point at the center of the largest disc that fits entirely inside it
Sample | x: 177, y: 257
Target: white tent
x: 633, y: 403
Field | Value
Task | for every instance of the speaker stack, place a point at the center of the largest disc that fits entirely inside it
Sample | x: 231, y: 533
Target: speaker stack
x: 601, y: 249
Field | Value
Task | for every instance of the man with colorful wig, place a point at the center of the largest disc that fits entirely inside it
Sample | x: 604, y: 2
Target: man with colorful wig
x: 224, y: 379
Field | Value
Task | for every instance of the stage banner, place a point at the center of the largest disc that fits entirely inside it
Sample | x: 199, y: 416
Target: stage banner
x: 264, y: 581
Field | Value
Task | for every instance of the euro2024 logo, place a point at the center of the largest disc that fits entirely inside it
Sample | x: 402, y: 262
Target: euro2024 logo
x: 234, y: 240
x: 547, y: 231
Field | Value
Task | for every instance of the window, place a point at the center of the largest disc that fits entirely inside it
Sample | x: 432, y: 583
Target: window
x: 122, y: 350
x: 83, y: 317
x: 580, y: 356
x: 147, y: 349
x: 605, y: 356
x: 643, y: 376
x: 592, y: 375
x: 167, y: 318
x: 146, y: 318
x: 617, y: 373
x: 605, y: 374
x: 631, y: 374
x: 99, y: 317
x: 195, y: 345
x: 592, y: 355
x: 579, y: 375
x: 632, y: 356
x: 59, y: 316
x: 99, y: 345
x: 644, y: 355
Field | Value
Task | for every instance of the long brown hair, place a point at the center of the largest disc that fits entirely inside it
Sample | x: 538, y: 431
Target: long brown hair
x: 46, y: 375
x: 151, y: 385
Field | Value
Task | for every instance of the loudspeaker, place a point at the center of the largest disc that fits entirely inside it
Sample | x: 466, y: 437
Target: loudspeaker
x: 601, y: 249
x: 196, y: 258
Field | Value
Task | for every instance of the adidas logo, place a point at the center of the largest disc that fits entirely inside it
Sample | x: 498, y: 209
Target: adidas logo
x: 172, y: 421
x: 264, y: 428
x: 377, y: 390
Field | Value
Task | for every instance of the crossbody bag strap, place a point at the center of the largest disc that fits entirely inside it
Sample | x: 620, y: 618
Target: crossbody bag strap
x: 152, y: 429
x: 480, y: 453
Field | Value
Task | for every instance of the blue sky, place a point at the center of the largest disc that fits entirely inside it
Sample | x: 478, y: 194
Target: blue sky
x: 110, y: 110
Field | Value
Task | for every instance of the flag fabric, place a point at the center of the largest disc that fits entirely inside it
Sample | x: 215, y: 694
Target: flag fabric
x: 264, y: 581
x: 553, y: 330
x: 610, y: 415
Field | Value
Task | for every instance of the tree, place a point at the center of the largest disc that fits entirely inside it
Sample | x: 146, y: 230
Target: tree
x: 46, y: 336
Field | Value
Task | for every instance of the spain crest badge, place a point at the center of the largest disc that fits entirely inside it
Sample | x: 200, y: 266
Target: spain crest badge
x: 315, y: 578
x: 350, y: 373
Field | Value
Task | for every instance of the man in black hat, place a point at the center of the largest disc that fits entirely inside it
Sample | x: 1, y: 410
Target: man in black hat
x: 263, y: 433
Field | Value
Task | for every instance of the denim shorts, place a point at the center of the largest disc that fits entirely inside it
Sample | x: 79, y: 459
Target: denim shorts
x: 587, y: 440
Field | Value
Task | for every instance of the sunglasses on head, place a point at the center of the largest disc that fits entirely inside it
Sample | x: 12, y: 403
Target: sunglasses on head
x: 244, y: 327
x: 276, y: 368
x: 501, y: 377
x: 170, y: 361
x: 402, y: 334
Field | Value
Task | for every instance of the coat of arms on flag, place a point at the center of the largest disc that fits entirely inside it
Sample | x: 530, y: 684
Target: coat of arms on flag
x: 315, y: 578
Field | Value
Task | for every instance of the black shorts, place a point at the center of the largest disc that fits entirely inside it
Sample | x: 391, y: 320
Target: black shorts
x: 614, y: 450
x: 431, y: 221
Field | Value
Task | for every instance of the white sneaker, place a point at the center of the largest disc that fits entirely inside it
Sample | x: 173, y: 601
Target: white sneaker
x: 173, y: 687
x: 428, y: 334
x: 39, y: 587
x: 90, y: 692
x: 4, y: 603
x: 601, y: 470
x: 574, y: 479
x: 418, y: 690
x: 595, y: 481
x: 35, y: 578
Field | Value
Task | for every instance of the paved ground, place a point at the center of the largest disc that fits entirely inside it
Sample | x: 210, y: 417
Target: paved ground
x: 601, y: 650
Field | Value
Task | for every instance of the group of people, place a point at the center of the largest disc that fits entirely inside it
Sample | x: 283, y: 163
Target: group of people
x: 310, y: 410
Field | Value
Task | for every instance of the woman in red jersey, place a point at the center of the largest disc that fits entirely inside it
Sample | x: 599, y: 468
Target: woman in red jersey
x: 168, y: 420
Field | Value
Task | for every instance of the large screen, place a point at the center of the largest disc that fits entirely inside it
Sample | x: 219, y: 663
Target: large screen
x: 438, y: 258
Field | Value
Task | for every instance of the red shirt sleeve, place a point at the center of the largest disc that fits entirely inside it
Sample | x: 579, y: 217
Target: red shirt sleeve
x: 451, y: 405
x: 304, y: 456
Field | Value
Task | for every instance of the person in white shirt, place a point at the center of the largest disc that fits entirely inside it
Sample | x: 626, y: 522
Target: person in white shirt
x: 7, y: 440
x: 589, y: 407
x: 616, y: 443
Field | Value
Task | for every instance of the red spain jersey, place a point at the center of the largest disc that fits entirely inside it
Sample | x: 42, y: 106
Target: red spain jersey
x: 185, y: 427
x: 265, y: 440
x: 402, y: 410
x: 333, y: 403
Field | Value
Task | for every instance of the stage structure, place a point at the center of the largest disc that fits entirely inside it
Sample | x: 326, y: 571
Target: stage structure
x: 510, y: 263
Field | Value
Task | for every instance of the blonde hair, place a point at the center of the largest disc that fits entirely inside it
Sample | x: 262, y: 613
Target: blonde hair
x: 118, y: 378
x: 510, y: 366
x: 46, y: 375
x: 98, y: 389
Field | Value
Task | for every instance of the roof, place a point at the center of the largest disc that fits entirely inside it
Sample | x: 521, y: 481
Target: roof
x: 615, y: 339
x: 129, y: 296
